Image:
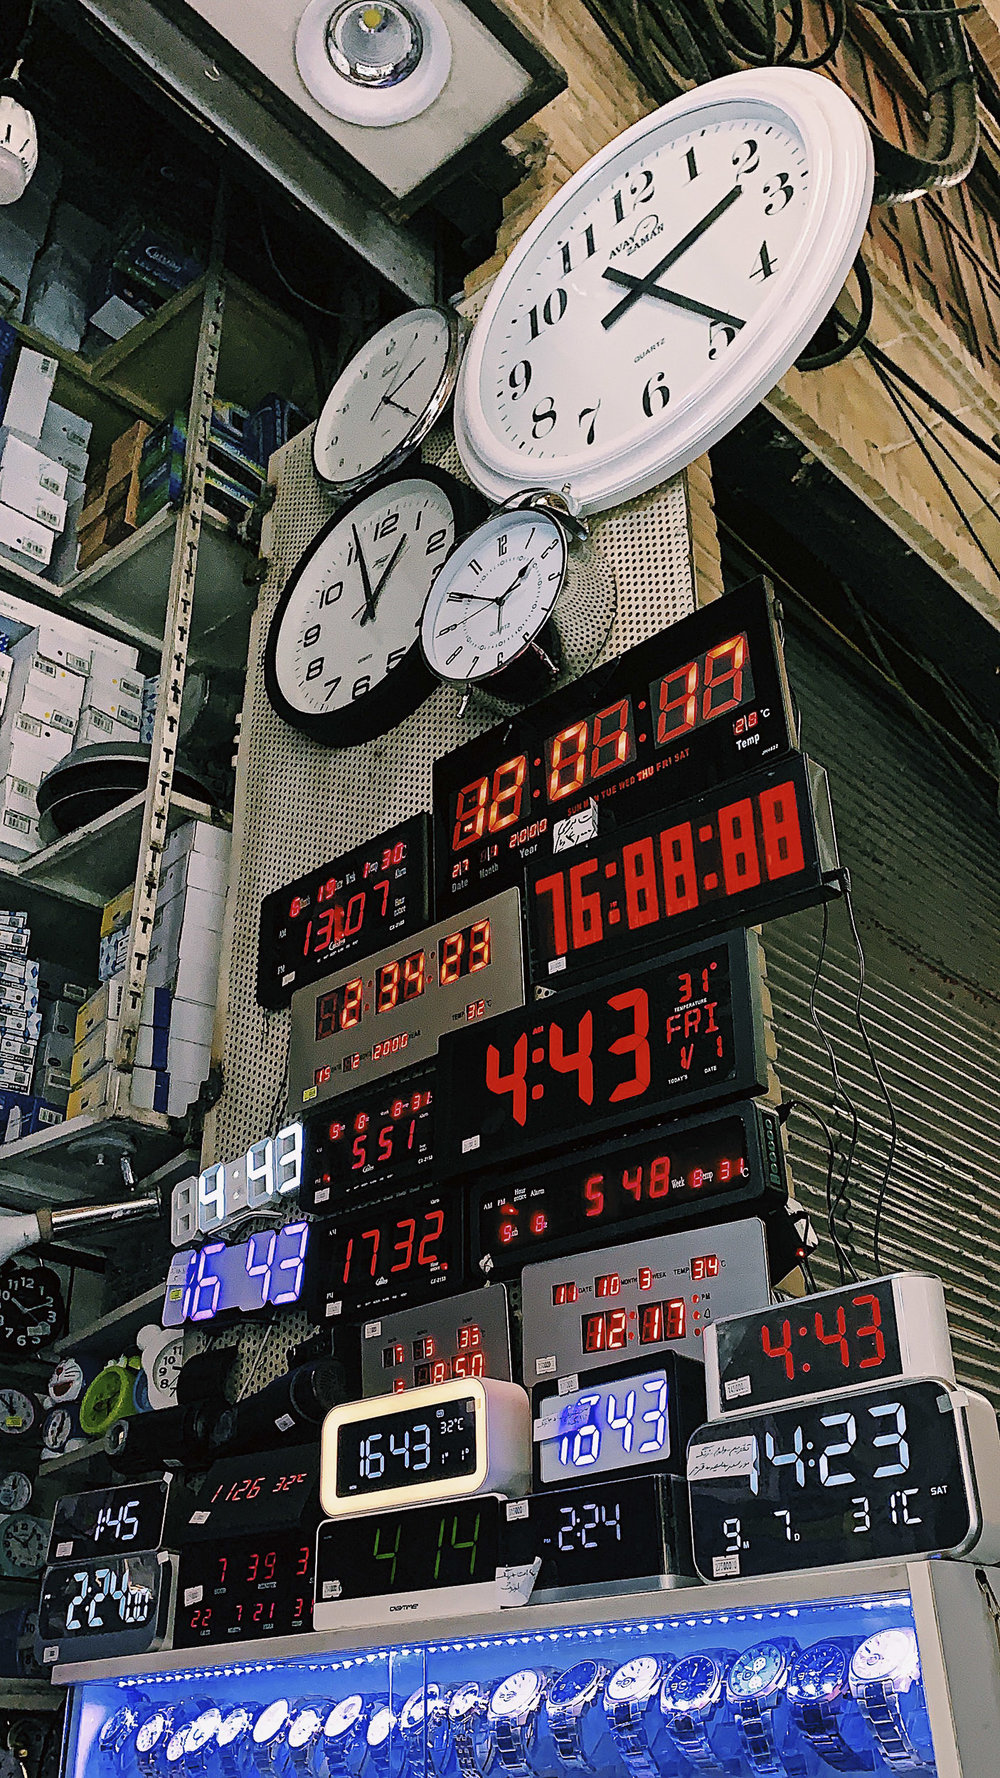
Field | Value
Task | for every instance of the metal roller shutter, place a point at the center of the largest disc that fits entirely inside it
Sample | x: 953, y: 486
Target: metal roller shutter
x: 923, y: 849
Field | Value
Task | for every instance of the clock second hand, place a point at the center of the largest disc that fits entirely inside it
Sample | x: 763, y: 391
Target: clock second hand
x: 645, y: 286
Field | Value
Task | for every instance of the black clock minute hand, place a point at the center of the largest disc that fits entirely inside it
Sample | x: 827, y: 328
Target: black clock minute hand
x: 369, y: 615
x: 673, y: 297
x: 646, y: 286
x: 366, y: 585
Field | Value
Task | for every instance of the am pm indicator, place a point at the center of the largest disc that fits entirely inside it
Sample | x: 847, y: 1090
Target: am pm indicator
x: 699, y: 704
x: 720, y: 859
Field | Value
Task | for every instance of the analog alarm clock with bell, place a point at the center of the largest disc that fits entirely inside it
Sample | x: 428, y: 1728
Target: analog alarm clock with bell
x: 665, y: 289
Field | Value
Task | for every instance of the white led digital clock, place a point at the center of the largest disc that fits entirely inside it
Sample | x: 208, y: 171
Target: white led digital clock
x: 447, y: 1441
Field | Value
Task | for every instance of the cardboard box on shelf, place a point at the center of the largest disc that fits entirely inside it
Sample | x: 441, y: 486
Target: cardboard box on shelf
x: 14, y: 941
x: 6, y: 669
x: 119, y: 460
x: 192, y: 1021
x: 118, y: 911
x: 41, y: 688
x: 59, y: 1017
x: 150, y: 1089
x: 19, y: 836
x: 109, y: 683
x: 19, y: 969
x: 74, y: 645
x: 192, y: 971
x: 55, y: 983
x: 21, y: 1114
x: 30, y: 393
x: 66, y: 436
x: 91, y: 1094
x: 29, y: 748
x: 16, y: 1075
x: 28, y: 464
x: 55, y: 1048
x: 23, y: 540
x: 106, y: 1004
x: 198, y: 836
x: 96, y: 727
x: 16, y: 1047
x: 18, y: 996
x: 15, y: 917
x: 18, y: 795
x: 100, y: 1044
x: 35, y: 502
x: 15, y: 1023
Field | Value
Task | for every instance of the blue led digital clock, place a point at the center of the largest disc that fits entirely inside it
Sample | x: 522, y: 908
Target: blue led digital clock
x: 263, y: 1272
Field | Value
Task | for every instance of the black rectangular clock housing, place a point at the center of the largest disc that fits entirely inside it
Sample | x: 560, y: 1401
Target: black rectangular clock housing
x: 696, y: 705
x: 268, y: 1491
x: 692, y: 1170
x: 632, y: 1048
x: 110, y: 1521
x: 238, y: 1588
x: 371, y: 1145
x: 103, y: 1607
x: 745, y: 852
x: 387, y: 1258
x: 631, y: 1534
x: 356, y: 904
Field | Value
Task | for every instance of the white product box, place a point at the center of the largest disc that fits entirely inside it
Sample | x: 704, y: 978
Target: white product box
x: 204, y: 871
x: 17, y: 1049
x: 150, y: 1089
x: 62, y: 639
x: 18, y: 969
x: 19, y: 795
x: 109, y: 683
x: 106, y: 1003
x: 36, y: 503
x: 13, y: 917
x: 65, y: 436
x: 16, y: 1075
x: 24, y: 540
x: 14, y: 1023
x: 27, y: 464
x: 14, y: 941
x: 193, y: 973
x: 198, y: 836
x: 95, y: 726
x: 19, y: 835
x: 191, y: 1021
x: 29, y: 748
x: 18, y: 997
x: 6, y: 669
x: 30, y: 392
x: 71, y: 648
x: 188, y: 1061
x: 45, y: 690
x: 181, y: 1094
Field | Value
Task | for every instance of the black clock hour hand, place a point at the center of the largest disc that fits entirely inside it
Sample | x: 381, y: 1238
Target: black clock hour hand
x: 673, y: 297
x: 515, y: 583
x: 645, y: 286
x: 390, y: 565
x: 366, y: 585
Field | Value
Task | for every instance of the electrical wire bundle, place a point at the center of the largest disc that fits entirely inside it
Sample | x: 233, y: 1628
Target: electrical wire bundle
x: 673, y: 45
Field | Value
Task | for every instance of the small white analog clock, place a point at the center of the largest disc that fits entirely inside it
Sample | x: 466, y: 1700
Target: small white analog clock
x: 343, y: 660
x: 162, y: 1353
x: 494, y: 596
x: 665, y: 289
x: 387, y: 399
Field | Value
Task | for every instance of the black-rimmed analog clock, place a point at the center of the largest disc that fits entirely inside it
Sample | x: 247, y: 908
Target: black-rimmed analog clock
x: 32, y: 1309
x: 343, y: 660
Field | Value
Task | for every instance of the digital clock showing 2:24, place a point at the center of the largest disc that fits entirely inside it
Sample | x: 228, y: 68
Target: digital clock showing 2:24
x: 882, y: 1473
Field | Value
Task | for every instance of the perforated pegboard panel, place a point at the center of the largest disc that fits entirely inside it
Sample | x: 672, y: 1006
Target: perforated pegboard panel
x: 298, y: 804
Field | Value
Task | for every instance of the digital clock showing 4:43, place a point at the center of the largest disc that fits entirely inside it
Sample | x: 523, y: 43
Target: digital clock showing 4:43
x: 745, y: 853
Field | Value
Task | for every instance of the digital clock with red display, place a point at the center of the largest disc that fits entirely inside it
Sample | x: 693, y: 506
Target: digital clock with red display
x: 729, y: 1162
x: 358, y: 903
x: 250, y: 1586
x: 869, y: 1332
x: 700, y: 703
x: 376, y: 1143
x: 458, y: 1336
x: 267, y: 1492
x: 366, y: 1021
x: 748, y: 852
x: 379, y: 1259
x: 655, y: 1039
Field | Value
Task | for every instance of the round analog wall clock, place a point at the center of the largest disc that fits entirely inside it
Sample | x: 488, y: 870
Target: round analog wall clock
x: 343, y: 660
x: 388, y: 397
x: 32, y: 1310
x: 665, y: 289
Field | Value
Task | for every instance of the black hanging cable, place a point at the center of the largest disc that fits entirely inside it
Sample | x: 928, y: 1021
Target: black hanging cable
x: 880, y: 1077
x: 803, y: 1106
x: 855, y: 333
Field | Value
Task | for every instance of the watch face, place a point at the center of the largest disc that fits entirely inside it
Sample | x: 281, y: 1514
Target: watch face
x: 516, y: 1693
x: 576, y: 1683
x: 15, y: 1491
x: 31, y: 1306
x: 758, y: 1670
x: 418, y: 1706
x: 464, y: 1701
x: 889, y: 1654
x: 17, y: 1412
x: 152, y: 1731
x: 118, y: 1728
x: 176, y: 1746
x: 271, y: 1722
x: 343, y: 1716
x: 234, y: 1724
x: 305, y: 1726
x: 388, y: 397
x: 381, y: 1726
x: 636, y: 1679
x: 66, y: 1381
x: 204, y: 1729
x: 23, y: 1542
x: 691, y: 1684
x: 343, y: 660
x: 665, y: 289
x: 494, y: 595
x: 820, y: 1673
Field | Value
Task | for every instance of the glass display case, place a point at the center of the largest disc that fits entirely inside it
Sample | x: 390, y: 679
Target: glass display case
x: 885, y: 1668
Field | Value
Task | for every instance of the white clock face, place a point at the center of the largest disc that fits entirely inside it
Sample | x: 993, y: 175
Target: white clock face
x: 494, y: 595
x: 167, y: 1366
x: 344, y: 1715
x: 388, y: 397
x: 887, y: 1653
x: 271, y: 1721
x: 666, y: 289
x: 343, y: 660
x: 634, y: 1678
x: 204, y: 1729
x: 304, y: 1727
x: 23, y: 1543
x: 15, y: 1491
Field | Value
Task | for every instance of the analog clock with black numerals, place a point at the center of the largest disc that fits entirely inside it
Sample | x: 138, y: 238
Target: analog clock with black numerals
x: 32, y: 1310
x: 18, y: 1413
x: 665, y: 289
x: 343, y: 660
x: 23, y: 1542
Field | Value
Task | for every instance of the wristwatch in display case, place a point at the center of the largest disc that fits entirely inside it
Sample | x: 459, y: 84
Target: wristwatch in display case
x: 883, y: 1669
x: 415, y: 1722
x: 151, y: 1740
x: 304, y: 1731
x: 571, y: 1696
x: 119, y: 1730
x: 631, y: 1706
x: 692, y: 1697
x: 267, y: 1737
x: 232, y: 1736
x: 467, y: 1719
x: 380, y: 1734
x: 756, y: 1686
x: 344, y: 1734
x: 818, y: 1686
x: 514, y: 1716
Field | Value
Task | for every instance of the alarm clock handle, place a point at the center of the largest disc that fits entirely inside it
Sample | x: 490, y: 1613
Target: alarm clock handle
x: 561, y: 507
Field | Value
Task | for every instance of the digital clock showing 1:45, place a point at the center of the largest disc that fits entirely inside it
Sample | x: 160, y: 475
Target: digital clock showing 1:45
x: 739, y: 854
x: 877, y: 1474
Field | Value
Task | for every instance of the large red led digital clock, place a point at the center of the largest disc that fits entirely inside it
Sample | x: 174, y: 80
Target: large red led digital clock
x: 645, y: 1044
x: 748, y: 852
x: 699, y: 704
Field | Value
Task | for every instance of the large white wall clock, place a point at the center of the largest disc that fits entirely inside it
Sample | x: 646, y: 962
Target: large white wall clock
x: 665, y: 289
